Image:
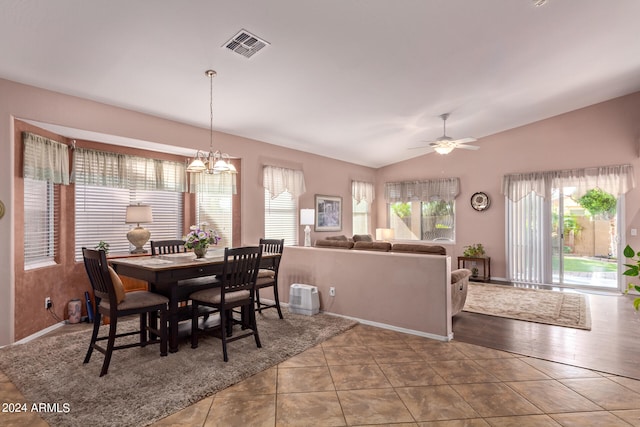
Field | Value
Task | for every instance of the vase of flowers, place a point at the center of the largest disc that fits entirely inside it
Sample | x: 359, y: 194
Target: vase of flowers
x: 199, y: 240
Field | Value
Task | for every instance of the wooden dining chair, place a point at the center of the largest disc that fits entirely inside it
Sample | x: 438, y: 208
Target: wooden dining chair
x: 111, y: 300
x: 236, y: 290
x: 163, y: 247
x: 268, y: 276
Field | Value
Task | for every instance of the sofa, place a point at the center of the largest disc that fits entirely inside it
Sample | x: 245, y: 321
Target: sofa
x: 459, y: 277
x: 410, y: 291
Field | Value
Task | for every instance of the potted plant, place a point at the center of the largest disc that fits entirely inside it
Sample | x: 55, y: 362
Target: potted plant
x: 102, y: 245
x: 199, y: 240
x: 633, y: 271
x: 474, y: 251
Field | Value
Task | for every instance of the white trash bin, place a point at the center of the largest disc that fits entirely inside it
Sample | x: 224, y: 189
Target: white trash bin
x: 303, y: 299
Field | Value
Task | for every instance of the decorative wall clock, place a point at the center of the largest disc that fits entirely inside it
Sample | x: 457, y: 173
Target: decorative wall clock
x: 1, y: 209
x: 480, y: 201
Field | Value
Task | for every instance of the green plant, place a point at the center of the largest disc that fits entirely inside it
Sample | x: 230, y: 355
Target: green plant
x: 475, y: 250
x: 633, y: 271
x: 102, y: 245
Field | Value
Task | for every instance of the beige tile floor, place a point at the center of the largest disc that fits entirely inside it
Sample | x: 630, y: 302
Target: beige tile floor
x: 370, y: 376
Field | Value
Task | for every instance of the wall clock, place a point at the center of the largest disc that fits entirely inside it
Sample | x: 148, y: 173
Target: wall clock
x: 1, y: 209
x: 480, y: 201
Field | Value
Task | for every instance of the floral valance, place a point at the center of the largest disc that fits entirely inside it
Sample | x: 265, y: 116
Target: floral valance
x: 615, y: 180
x: 278, y: 180
x: 433, y: 189
x: 45, y: 159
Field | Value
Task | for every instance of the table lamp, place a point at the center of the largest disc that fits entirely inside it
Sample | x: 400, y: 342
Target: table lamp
x: 384, y: 234
x: 307, y: 218
x: 138, y: 236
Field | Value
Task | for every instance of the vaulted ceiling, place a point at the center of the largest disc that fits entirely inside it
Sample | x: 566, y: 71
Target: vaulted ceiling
x: 357, y: 80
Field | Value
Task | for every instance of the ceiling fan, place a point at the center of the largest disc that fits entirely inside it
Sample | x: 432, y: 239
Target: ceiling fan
x: 445, y: 144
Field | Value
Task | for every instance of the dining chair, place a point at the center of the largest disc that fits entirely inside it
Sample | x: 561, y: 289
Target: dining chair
x: 236, y: 290
x: 268, y: 276
x: 163, y: 247
x: 112, y: 301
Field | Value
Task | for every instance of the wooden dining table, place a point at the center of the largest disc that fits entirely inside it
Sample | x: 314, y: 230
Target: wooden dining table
x: 163, y: 272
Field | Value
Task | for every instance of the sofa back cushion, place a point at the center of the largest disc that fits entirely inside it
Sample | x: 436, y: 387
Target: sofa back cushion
x: 417, y: 248
x: 372, y: 246
x: 341, y: 237
x: 337, y: 244
x: 362, y: 238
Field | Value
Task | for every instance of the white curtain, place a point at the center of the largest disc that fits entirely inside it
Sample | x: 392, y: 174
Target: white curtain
x: 361, y: 190
x: 528, y: 222
x: 278, y: 180
x: 217, y: 183
x: 103, y: 168
x: 442, y: 189
x: 45, y: 159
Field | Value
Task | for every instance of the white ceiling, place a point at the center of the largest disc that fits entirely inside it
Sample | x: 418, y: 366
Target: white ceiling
x: 356, y: 80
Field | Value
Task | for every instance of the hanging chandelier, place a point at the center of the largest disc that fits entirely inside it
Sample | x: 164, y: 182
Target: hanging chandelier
x: 213, y: 161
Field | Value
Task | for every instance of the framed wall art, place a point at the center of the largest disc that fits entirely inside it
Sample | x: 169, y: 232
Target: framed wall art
x: 328, y: 213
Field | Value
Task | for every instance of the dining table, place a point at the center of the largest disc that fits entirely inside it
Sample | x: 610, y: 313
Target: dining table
x: 163, y: 272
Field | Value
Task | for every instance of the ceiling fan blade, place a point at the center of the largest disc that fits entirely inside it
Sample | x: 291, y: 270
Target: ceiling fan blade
x: 468, y: 147
x: 464, y: 140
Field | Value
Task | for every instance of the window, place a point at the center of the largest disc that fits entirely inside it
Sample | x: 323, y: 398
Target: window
x: 423, y: 210
x: 281, y: 217
x: 100, y: 214
x: 40, y: 232
x: 429, y: 221
x: 360, y: 217
x: 214, y: 207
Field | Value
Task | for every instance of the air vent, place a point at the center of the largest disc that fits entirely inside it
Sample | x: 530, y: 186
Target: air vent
x: 246, y: 44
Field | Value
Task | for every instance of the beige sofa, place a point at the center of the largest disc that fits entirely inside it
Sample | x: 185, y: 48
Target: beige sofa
x: 407, y: 291
x: 459, y: 277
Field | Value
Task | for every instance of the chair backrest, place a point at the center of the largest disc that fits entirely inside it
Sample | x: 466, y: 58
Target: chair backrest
x: 240, y: 269
x: 272, y: 246
x: 162, y: 247
x: 95, y: 262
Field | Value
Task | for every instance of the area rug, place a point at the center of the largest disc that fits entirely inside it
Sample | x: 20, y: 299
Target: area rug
x: 533, y: 305
x: 142, y: 387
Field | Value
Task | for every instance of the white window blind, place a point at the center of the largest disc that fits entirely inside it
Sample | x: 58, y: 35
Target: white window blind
x: 214, y: 206
x: 100, y: 215
x: 281, y: 217
x: 360, y: 217
x: 40, y: 234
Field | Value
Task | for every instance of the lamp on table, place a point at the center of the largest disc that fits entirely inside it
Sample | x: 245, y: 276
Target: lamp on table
x: 384, y: 234
x: 307, y: 218
x: 138, y: 236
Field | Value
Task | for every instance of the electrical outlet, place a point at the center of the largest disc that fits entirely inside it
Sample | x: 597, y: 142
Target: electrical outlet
x: 47, y: 303
x: 332, y: 291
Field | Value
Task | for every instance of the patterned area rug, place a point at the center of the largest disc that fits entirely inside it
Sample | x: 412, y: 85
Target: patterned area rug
x: 142, y: 387
x: 533, y: 305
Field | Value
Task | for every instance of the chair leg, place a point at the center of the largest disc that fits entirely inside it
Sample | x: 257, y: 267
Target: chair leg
x: 223, y: 332
x: 194, y: 324
x: 254, y: 327
x: 258, y: 301
x: 277, y: 298
x: 163, y: 332
x: 94, y: 336
x: 113, y: 323
x: 143, y: 329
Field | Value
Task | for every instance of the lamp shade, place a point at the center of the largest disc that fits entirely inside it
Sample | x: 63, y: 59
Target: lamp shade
x: 137, y: 214
x: 384, y: 234
x: 307, y: 216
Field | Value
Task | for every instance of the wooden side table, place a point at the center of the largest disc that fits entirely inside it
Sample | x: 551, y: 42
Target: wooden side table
x: 464, y: 261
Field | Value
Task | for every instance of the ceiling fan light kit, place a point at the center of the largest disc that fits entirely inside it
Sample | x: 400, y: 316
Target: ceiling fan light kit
x: 445, y: 144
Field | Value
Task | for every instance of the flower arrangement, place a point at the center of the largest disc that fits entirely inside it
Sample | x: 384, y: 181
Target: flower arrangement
x: 199, y: 238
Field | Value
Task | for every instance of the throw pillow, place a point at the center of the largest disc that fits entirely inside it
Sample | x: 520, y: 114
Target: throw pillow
x: 117, y: 285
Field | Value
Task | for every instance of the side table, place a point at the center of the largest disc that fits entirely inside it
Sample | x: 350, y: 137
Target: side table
x: 475, y: 262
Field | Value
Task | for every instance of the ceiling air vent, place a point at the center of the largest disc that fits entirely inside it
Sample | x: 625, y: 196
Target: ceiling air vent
x: 246, y: 44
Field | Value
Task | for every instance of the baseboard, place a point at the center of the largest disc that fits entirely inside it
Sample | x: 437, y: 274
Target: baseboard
x: 41, y: 333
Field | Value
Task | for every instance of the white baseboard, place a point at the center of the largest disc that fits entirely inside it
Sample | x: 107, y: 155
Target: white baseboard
x: 41, y: 333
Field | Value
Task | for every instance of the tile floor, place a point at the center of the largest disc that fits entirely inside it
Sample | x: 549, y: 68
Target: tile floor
x: 371, y: 376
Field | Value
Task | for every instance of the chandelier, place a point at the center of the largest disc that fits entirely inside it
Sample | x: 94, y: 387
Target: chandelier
x: 213, y: 161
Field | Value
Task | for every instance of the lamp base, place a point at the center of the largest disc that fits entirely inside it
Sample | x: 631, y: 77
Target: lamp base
x: 138, y: 237
x: 307, y: 236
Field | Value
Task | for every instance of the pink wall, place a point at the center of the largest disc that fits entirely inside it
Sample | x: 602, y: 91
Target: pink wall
x: 600, y: 135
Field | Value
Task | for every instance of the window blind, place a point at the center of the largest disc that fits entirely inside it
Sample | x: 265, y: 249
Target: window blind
x: 281, y: 217
x: 40, y: 234
x: 215, y: 206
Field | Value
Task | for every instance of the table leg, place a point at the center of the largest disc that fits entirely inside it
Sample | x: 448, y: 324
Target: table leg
x: 173, y: 320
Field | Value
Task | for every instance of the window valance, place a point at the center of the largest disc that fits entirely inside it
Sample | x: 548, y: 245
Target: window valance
x: 45, y: 159
x: 361, y: 190
x: 278, y: 180
x: 103, y: 168
x: 434, y: 189
x: 615, y: 180
x: 216, y: 183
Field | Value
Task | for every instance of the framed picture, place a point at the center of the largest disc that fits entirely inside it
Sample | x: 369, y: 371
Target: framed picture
x: 328, y: 213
